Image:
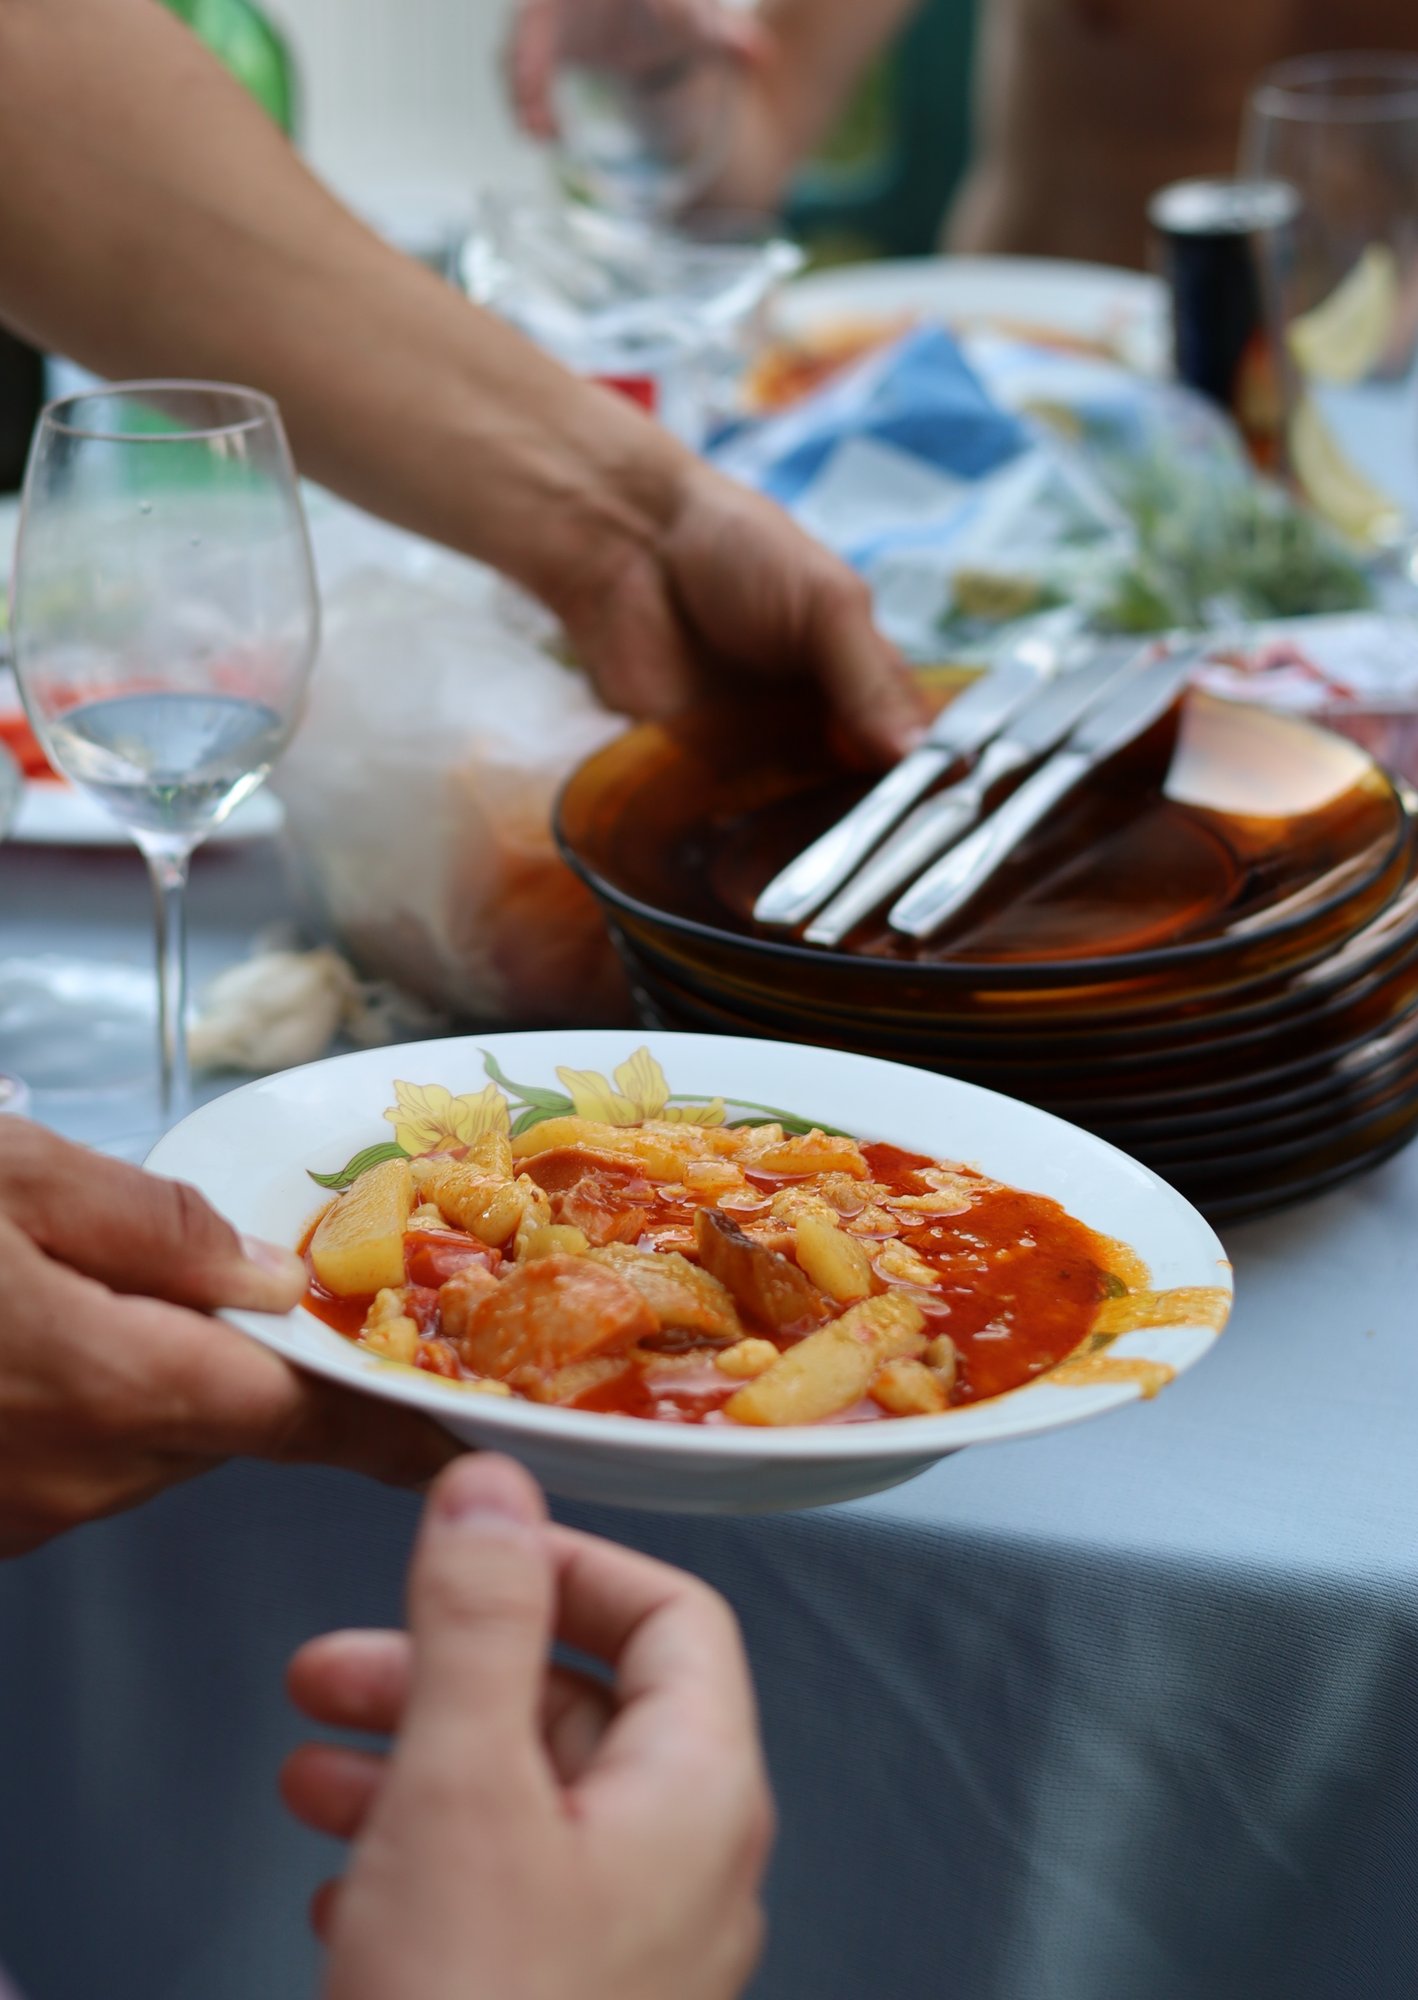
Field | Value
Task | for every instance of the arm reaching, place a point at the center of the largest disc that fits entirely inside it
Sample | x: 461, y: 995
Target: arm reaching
x: 156, y: 223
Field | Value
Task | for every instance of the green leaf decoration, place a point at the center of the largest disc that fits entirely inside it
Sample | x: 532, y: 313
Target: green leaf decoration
x: 553, y: 1103
x: 535, y: 1114
x: 372, y: 1156
x: 769, y: 1114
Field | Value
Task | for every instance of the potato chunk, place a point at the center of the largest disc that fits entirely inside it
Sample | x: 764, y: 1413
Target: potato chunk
x: 836, y: 1262
x: 358, y: 1247
x: 388, y: 1329
x: 552, y: 1239
x: 766, y: 1285
x: 810, y: 1153
x: 678, y: 1293
x: 908, y: 1388
x: 746, y: 1359
x: 550, y: 1312
x: 834, y: 1367
x: 485, y: 1205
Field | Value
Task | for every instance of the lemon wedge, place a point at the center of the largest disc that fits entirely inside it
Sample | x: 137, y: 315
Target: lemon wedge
x: 1334, y: 486
x: 1342, y: 338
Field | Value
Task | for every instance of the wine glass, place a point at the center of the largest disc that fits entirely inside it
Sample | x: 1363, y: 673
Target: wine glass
x: 164, y: 620
x: 1343, y: 285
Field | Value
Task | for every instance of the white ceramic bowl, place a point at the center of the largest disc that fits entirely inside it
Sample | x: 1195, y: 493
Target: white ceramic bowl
x: 249, y: 1153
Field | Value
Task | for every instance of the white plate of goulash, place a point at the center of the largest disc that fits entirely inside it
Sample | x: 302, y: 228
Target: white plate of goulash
x: 700, y: 1273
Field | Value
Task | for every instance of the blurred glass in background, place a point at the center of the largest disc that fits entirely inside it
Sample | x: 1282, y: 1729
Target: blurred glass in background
x: 1343, y: 132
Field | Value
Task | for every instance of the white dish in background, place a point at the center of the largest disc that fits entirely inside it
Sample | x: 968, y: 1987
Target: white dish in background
x: 53, y: 815
x: 1124, y: 309
x: 250, y: 1153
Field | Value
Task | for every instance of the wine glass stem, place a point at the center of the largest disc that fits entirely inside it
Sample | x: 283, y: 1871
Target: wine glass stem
x: 169, y: 873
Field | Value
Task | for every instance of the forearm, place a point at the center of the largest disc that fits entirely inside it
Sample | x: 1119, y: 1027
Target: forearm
x: 155, y: 223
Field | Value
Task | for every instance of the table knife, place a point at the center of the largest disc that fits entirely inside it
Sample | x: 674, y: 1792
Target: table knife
x: 1118, y: 720
x: 962, y: 730
x: 938, y: 822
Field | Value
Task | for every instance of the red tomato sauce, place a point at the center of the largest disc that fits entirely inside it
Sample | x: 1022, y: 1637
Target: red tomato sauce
x: 1018, y: 1282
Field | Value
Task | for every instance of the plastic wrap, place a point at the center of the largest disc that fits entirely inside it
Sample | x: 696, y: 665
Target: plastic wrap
x: 419, y: 789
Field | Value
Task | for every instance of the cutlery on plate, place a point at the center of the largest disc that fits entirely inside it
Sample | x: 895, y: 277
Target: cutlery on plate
x: 1041, y: 726
x: 1108, y: 728
x: 960, y: 731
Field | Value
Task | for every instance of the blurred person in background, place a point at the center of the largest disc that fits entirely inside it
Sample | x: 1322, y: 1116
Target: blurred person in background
x: 533, y: 1831
x: 1083, y: 108
x: 154, y: 222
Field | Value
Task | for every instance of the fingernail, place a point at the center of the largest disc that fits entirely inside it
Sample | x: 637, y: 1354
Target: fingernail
x: 270, y: 1257
x: 488, y: 1492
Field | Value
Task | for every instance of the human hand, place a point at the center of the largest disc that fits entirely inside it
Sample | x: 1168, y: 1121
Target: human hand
x: 639, y: 39
x: 535, y: 1832
x: 114, y: 1380
x: 724, y: 589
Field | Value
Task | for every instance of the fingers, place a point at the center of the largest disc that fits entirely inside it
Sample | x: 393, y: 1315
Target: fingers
x: 360, y: 1680
x: 681, y: 1671
x: 576, y: 1713
x: 353, y: 1680
x: 331, y: 1789
x: 531, y: 65
x: 481, y: 1605
x: 323, y: 1906
x: 195, y: 1387
x: 134, y: 1231
x: 871, y: 691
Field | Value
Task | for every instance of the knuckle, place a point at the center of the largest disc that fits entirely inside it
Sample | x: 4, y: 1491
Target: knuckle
x: 28, y: 1155
x: 195, y: 1223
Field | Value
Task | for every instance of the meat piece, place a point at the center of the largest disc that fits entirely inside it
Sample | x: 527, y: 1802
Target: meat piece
x: 432, y: 1255
x: 560, y: 1167
x: 680, y: 1295
x: 602, y: 1211
x: 548, y: 1313
x: 458, y: 1296
x: 766, y: 1285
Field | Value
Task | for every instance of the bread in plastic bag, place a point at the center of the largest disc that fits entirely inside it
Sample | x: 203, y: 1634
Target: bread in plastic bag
x: 419, y: 789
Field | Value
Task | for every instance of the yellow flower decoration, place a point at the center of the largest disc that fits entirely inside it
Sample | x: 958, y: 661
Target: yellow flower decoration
x: 429, y: 1119
x: 640, y: 1091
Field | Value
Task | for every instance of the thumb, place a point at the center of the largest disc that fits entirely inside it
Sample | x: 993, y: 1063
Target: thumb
x: 481, y: 1612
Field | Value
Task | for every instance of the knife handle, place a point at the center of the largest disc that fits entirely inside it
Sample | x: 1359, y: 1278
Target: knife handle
x: 808, y: 880
x: 928, y: 905
x: 926, y: 833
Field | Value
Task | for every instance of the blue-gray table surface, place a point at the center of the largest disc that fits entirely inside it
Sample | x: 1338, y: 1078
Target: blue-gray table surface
x: 1123, y: 1713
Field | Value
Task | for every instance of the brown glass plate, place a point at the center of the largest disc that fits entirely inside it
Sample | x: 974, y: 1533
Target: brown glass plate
x: 1158, y: 1085
x: 1251, y: 1202
x: 1256, y: 854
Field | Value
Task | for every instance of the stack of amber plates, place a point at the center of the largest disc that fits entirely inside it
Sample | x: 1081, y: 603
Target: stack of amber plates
x: 1216, y: 969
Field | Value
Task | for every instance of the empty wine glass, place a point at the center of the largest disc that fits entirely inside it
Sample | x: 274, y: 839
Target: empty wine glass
x: 164, y: 621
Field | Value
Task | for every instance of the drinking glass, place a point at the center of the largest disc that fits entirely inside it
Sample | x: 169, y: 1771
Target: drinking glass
x: 1343, y: 131
x: 164, y: 622
x: 642, y: 104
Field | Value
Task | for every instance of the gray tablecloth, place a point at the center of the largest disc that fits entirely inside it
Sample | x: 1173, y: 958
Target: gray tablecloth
x: 1125, y: 1713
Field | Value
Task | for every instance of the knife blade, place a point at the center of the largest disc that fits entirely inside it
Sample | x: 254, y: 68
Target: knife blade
x: 940, y: 821
x: 960, y: 731
x: 1117, y: 720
